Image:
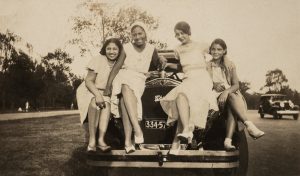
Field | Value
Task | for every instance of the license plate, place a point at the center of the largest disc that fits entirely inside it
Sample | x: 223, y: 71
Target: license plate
x: 155, y: 124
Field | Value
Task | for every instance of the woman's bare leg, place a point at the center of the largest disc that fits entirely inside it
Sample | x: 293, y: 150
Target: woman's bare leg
x: 103, y: 124
x: 237, y: 106
x: 230, y: 124
x: 126, y: 124
x: 93, y: 116
x: 184, y: 113
x: 130, y: 102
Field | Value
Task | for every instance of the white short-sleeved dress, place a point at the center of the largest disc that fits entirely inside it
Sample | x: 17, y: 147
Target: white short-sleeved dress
x: 196, y: 85
x: 101, y: 67
x: 136, y: 65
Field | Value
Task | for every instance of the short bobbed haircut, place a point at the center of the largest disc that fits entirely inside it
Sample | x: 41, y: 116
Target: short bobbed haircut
x: 184, y: 27
x: 107, y: 42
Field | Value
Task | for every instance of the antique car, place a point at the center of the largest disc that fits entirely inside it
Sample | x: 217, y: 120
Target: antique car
x: 277, y: 105
x: 205, y: 152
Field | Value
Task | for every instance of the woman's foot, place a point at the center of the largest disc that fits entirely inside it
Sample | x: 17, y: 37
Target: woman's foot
x: 228, y: 145
x: 104, y: 148
x: 138, y: 139
x: 253, y: 131
x: 174, y: 150
x: 129, y: 149
x: 91, y: 148
x: 185, y: 137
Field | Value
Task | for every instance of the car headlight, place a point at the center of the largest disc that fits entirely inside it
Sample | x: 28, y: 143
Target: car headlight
x: 281, y: 104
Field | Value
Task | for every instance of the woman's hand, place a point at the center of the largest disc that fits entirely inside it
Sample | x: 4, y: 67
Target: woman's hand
x: 223, y: 98
x: 100, y: 102
x: 218, y: 87
x: 163, y: 62
x: 107, y: 92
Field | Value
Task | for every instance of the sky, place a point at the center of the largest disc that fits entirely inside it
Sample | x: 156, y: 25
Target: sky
x: 260, y: 35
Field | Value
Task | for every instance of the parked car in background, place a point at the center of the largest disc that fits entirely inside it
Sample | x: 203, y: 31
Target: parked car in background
x: 277, y: 105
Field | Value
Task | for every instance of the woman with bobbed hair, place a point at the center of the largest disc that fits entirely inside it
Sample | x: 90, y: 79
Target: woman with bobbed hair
x: 190, y: 102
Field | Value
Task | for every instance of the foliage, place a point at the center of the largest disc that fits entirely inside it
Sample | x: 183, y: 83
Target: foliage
x: 102, y: 21
x: 48, y: 84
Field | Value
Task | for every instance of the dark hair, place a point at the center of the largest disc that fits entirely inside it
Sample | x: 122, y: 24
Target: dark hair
x: 184, y: 27
x: 111, y: 40
x: 220, y: 42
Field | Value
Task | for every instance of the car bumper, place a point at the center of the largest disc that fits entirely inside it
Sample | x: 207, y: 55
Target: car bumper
x: 288, y: 112
x: 161, y: 159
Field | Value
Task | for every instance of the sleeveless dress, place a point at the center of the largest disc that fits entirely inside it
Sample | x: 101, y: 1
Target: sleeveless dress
x: 196, y: 86
x: 133, y: 71
x: 101, y: 67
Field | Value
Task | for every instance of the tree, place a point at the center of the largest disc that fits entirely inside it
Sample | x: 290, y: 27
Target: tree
x: 276, y: 81
x: 56, y: 77
x: 102, y: 22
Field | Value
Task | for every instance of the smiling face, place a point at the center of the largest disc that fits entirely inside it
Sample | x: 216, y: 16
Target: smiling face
x: 217, y: 51
x: 112, y: 51
x: 181, y: 36
x: 138, y: 36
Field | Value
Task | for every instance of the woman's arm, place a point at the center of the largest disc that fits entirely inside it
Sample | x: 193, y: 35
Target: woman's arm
x: 90, y: 84
x: 234, y: 86
x: 114, y: 71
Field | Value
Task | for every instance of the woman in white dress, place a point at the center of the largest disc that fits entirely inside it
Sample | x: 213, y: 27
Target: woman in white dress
x: 129, y: 76
x: 189, y: 102
x: 98, y: 110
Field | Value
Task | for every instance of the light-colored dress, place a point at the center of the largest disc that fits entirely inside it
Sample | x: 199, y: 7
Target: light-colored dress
x: 136, y: 65
x: 196, y: 85
x: 219, y: 77
x: 101, y: 67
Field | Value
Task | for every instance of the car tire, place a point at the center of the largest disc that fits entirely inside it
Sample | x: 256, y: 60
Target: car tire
x: 296, y: 116
x: 244, y: 155
x: 262, y: 115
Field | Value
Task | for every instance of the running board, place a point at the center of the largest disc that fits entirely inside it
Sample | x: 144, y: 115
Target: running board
x: 161, y: 159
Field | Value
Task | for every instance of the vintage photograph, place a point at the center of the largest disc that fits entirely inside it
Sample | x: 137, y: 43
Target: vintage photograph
x: 160, y: 87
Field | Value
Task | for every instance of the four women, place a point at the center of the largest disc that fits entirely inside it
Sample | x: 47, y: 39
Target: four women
x: 125, y: 71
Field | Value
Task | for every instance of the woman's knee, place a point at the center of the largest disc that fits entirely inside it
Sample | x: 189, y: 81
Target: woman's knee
x: 181, y: 97
x: 93, y: 103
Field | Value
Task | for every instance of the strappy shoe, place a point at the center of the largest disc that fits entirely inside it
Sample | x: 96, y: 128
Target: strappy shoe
x: 253, y: 131
x: 185, y: 137
x: 228, y: 145
x: 129, y: 149
x: 91, y: 149
x: 104, y: 149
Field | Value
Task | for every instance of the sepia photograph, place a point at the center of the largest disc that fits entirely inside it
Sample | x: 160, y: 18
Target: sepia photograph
x: 149, y: 88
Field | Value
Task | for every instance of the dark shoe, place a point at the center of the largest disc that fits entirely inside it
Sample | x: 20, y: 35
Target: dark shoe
x: 104, y: 149
x: 185, y: 138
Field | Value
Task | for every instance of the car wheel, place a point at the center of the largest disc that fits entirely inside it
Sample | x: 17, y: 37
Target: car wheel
x: 296, y: 116
x: 262, y: 115
x: 275, y: 115
x: 243, y: 157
